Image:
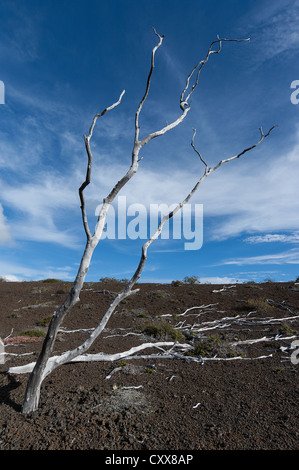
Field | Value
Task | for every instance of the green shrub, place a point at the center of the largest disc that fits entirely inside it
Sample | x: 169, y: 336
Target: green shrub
x: 45, y: 321
x: 286, y: 329
x: 31, y: 333
x: 162, y: 330
x: 191, y: 280
x: 214, y: 346
x: 257, y: 304
x: 177, y: 283
x: 113, y: 280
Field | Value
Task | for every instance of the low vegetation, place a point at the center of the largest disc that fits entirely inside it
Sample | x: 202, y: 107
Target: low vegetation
x: 214, y: 346
x: 162, y: 330
x: 33, y: 333
x: 45, y: 321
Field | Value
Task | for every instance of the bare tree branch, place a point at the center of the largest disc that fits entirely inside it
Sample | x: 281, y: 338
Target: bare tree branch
x: 89, y: 164
x: 195, y: 149
x: 137, y: 127
x: 184, y: 100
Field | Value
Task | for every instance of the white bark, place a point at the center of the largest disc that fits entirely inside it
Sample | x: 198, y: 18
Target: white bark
x: 99, y: 357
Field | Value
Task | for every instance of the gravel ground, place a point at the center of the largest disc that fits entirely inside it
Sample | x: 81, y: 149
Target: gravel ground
x: 248, y: 403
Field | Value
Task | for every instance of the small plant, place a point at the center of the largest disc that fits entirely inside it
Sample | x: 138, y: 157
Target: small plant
x: 113, y: 280
x: 160, y: 294
x: 32, y: 333
x: 201, y: 349
x: 15, y: 315
x: 215, y: 339
x: 286, y: 329
x: 162, y: 330
x: 45, y: 321
x: 257, y: 304
x: 213, y: 346
x: 177, y: 283
x: 191, y: 280
x: 142, y: 315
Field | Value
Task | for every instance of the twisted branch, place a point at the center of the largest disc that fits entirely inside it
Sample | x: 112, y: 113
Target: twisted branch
x: 89, y: 164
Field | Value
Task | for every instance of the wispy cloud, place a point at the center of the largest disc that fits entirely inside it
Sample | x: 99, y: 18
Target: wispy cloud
x: 5, y: 235
x: 237, y: 199
x: 38, y: 209
x: 219, y: 280
x: 20, y: 36
x: 273, y: 237
x: 286, y: 257
x: 275, y: 27
x: 18, y: 272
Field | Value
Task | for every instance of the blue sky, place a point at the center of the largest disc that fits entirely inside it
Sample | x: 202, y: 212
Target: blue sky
x: 63, y: 61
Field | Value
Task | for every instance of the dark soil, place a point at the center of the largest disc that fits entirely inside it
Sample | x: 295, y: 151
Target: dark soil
x: 248, y: 403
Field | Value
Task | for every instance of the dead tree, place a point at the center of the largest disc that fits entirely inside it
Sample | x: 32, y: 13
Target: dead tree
x: 45, y: 364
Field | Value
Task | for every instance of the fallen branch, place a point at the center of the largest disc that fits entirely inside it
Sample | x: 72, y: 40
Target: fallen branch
x: 263, y: 339
x: 16, y: 354
x: 135, y: 387
x: 98, y: 357
x: 226, y: 322
x: 117, y: 369
x: 224, y: 289
x: 80, y: 330
x: 193, y: 308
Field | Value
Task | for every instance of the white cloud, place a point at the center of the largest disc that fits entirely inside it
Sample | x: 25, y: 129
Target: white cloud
x: 255, y: 197
x: 11, y: 278
x: 275, y: 26
x: 20, y: 36
x: 219, y: 280
x: 40, y: 209
x: 17, y: 272
x: 244, y: 196
x: 286, y: 257
x: 5, y: 236
x: 275, y: 237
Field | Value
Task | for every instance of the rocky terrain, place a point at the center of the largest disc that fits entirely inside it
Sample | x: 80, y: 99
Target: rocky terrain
x: 234, y: 388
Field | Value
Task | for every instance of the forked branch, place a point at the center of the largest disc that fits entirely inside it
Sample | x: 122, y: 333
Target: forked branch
x: 89, y: 165
x: 198, y: 67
